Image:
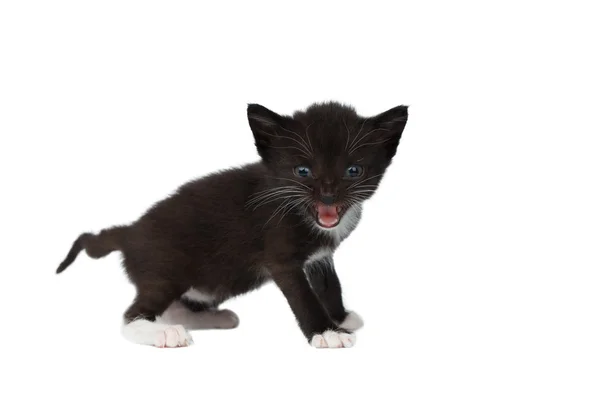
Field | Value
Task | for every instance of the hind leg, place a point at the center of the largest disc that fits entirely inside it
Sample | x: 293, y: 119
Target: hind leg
x: 140, y: 325
x: 198, y: 315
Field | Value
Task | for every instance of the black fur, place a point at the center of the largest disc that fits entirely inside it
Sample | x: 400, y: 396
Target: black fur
x: 224, y: 235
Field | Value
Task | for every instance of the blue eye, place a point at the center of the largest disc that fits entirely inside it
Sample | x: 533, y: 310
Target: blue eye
x: 354, y: 171
x: 302, y: 171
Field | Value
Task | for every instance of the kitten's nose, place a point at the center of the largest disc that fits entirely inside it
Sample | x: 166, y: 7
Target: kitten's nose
x: 327, y: 199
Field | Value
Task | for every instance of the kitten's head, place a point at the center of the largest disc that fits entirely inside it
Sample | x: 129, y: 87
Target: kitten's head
x: 327, y: 158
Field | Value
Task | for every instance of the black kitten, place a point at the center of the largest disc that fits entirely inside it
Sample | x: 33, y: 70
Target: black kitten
x: 279, y: 219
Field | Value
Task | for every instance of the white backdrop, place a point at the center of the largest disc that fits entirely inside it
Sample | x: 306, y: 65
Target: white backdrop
x: 476, y: 265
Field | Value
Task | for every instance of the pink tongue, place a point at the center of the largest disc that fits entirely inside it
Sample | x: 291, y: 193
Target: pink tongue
x: 328, y: 215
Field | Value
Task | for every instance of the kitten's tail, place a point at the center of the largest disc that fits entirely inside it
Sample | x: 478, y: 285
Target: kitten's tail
x: 96, y: 246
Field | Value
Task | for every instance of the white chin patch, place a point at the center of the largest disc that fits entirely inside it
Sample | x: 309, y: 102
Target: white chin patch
x: 142, y: 331
x: 333, y: 340
x: 353, y: 322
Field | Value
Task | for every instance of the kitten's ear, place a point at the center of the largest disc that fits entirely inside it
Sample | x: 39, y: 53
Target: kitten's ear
x: 391, y: 124
x: 265, y: 125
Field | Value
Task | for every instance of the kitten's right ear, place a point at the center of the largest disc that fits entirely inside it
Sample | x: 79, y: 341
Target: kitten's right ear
x: 264, y: 124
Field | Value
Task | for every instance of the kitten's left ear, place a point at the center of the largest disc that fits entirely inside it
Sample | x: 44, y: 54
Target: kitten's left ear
x: 391, y: 123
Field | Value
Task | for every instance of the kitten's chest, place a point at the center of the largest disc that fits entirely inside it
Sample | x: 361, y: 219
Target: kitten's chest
x: 330, y: 239
x: 304, y: 240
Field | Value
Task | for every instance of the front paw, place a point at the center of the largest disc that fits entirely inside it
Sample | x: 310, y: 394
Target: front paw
x: 352, y: 322
x: 333, y: 340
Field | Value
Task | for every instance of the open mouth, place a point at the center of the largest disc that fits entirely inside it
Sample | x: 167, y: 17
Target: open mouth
x: 328, y: 216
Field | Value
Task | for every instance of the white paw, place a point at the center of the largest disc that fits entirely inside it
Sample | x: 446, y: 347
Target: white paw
x: 333, y: 340
x: 353, y: 322
x: 151, y: 333
x: 173, y: 336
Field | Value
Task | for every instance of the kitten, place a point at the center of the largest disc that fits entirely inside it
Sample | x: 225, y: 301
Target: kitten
x: 279, y: 219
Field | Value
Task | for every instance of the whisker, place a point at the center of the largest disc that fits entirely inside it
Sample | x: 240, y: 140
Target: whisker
x: 347, y: 130
x: 364, y: 180
x: 363, y: 191
x: 277, y: 195
x: 358, y: 134
x: 305, y: 203
x: 277, y: 210
x: 354, y: 200
x: 308, y: 148
x: 273, y: 195
x: 271, y: 190
x: 368, y: 144
x: 308, y: 137
x: 354, y: 145
x: 293, y: 205
x: 291, y: 180
x: 358, y: 200
x: 275, y: 198
x: 292, y: 189
x: 304, y: 146
x: 357, y: 195
x: 292, y: 147
x: 367, y: 186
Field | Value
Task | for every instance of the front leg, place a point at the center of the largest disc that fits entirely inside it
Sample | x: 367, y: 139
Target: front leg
x: 326, y: 284
x: 313, y: 319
